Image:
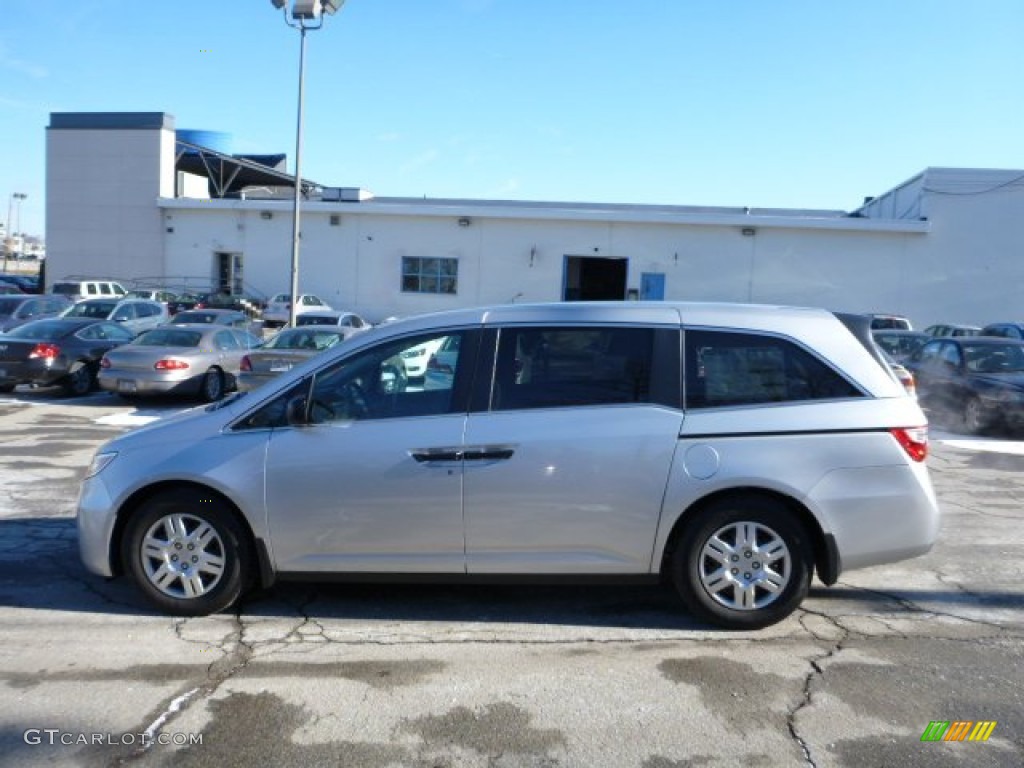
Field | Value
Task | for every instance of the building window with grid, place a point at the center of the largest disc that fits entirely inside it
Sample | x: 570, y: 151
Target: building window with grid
x: 429, y: 275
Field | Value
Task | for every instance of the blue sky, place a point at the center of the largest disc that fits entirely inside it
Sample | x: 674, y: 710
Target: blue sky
x: 766, y: 103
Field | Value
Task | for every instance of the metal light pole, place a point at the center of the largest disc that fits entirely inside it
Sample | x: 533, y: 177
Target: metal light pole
x: 305, y: 15
x: 9, y: 240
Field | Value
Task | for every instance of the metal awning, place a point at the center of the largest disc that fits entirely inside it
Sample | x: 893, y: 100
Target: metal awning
x: 228, y: 175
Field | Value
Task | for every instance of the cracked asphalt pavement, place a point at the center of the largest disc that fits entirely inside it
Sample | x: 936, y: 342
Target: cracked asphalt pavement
x: 436, y: 676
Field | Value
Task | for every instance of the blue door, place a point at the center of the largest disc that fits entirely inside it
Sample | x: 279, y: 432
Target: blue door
x: 652, y: 286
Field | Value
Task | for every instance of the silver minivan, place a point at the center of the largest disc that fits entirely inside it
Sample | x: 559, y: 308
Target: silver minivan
x: 732, y: 451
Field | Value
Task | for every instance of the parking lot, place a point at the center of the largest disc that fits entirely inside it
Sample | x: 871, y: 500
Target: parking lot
x: 400, y: 675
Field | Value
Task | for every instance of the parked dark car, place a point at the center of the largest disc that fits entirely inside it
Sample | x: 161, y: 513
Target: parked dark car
x: 228, y: 317
x: 238, y: 302
x: 1005, y: 330
x: 18, y: 310
x: 27, y: 283
x: 881, y: 322
x: 64, y: 351
x: 900, y: 344
x: 182, y: 302
x: 937, y: 331
x: 978, y: 378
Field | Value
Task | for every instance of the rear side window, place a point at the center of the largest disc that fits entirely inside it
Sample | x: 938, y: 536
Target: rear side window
x: 727, y: 369
x: 557, y: 367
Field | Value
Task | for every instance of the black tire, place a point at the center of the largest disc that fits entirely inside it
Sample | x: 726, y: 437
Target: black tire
x: 740, y: 587
x: 222, y: 562
x: 211, y: 388
x: 975, y: 418
x: 79, y: 381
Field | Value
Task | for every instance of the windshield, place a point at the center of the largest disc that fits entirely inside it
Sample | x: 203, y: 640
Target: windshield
x: 98, y: 309
x: 68, y: 289
x: 41, y: 329
x: 168, y: 337
x: 196, y: 317
x: 297, y: 338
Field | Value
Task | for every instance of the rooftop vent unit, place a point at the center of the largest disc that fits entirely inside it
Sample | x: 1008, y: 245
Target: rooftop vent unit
x: 345, y: 195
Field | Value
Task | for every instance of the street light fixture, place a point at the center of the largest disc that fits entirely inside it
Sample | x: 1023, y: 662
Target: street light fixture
x: 305, y: 15
x: 9, y: 243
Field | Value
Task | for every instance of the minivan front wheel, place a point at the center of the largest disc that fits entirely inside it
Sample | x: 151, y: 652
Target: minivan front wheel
x: 744, y: 563
x: 187, y: 553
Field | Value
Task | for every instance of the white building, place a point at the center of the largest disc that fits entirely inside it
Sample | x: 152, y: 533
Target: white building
x: 130, y: 198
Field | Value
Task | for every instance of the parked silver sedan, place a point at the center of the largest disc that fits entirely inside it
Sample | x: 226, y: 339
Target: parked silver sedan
x: 286, y: 350
x: 197, y: 360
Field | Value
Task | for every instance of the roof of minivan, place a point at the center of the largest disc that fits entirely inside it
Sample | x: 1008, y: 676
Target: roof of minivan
x: 690, y: 313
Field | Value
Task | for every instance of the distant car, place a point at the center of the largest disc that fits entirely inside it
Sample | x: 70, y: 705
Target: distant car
x: 63, y: 351
x: 900, y: 344
x: 1005, y: 330
x: 80, y: 290
x: 164, y: 297
x: 10, y: 289
x: 416, y: 358
x: 286, y: 350
x: 27, y: 283
x: 196, y: 360
x: 181, y: 302
x: 18, y: 310
x: 228, y: 317
x: 279, y: 308
x: 136, y: 315
x: 349, y: 322
x: 978, y: 378
x: 938, y: 331
x: 440, y: 372
x: 881, y: 322
x: 251, y: 305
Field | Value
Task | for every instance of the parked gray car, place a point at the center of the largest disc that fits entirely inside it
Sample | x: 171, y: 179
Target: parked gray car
x: 195, y: 360
x: 730, y: 450
x: 18, y: 310
x: 135, y: 315
x: 283, y: 352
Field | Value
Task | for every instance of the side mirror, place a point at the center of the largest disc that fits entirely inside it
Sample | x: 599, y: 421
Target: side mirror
x: 295, y: 412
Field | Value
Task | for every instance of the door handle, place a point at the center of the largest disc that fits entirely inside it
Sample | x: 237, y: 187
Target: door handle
x: 425, y: 455
x: 488, y: 452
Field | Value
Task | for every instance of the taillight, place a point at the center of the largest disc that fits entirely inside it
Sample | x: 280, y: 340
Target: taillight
x: 169, y: 364
x: 914, y: 441
x: 45, y: 351
x: 246, y: 364
x: 104, y: 363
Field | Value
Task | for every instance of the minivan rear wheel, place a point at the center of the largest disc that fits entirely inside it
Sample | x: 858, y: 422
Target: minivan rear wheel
x: 187, y: 552
x: 745, y: 562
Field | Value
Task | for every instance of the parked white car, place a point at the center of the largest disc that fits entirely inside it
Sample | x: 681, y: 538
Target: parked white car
x: 279, y: 307
x: 730, y: 450
x: 348, y: 322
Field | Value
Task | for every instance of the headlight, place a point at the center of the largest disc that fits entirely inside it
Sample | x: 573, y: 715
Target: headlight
x: 99, y: 462
x: 1010, y: 396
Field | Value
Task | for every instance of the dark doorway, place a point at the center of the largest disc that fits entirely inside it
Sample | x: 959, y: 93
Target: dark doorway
x: 594, y: 279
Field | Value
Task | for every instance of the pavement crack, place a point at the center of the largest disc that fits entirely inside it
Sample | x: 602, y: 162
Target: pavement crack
x: 829, y: 649
x: 237, y: 652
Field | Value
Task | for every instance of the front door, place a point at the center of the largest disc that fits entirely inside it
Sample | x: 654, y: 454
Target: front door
x: 374, y: 484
